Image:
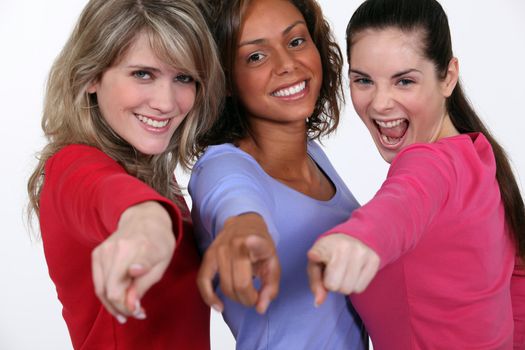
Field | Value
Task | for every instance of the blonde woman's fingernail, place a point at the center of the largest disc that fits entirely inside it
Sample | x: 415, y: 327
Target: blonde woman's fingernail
x: 139, y: 313
x: 136, y: 267
x: 137, y: 306
x: 121, y: 319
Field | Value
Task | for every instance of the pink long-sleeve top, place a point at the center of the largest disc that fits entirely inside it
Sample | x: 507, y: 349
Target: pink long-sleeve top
x: 447, y: 257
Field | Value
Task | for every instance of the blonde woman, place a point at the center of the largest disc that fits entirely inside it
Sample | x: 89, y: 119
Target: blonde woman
x: 135, y: 85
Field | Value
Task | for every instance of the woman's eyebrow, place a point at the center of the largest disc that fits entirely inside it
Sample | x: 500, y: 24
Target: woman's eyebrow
x: 262, y: 41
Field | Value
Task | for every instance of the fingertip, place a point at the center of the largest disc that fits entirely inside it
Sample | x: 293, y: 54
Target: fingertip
x: 136, y: 269
x: 210, y: 298
x: 139, y: 313
x: 208, y: 268
x: 248, y: 297
x: 271, y: 280
x: 217, y: 306
x: 320, y: 296
x: 316, y: 285
x: 121, y: 319
x: 259, y: 247
x: 268, y: 293
x: 253, y: 241
x: 262, y: 306
x: 313, y: 255
x: 132, y: 299
x: 318, y: 253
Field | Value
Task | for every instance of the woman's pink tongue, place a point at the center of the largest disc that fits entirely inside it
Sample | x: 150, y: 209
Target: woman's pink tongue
x: 395, y: 132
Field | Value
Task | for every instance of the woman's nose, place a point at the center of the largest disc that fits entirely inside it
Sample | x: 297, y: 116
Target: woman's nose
x: 382, y: 99
x: 284, y: 62
x: 163, y: 97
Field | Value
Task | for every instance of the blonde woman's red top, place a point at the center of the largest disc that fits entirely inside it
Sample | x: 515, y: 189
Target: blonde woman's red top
x: 83, y: 196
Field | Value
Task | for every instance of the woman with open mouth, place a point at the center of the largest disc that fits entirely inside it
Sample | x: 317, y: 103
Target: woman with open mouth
x: 434, y: 260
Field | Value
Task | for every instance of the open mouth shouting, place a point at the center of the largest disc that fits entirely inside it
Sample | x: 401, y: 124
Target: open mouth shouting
x: 392, y: 132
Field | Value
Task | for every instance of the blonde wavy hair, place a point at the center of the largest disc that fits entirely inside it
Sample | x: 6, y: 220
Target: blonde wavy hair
x: 105, y: 30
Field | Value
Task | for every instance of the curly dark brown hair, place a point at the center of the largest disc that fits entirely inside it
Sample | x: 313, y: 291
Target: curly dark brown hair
x: 224, y: 18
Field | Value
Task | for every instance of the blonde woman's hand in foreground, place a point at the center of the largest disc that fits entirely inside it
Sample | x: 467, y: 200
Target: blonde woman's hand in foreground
x: 340, y: 263
x: 242, y: 250
x: 132, y: 259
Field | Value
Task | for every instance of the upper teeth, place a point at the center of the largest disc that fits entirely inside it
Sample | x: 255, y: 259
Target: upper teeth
x: 389, y: 124
x: 152, y: 122
x: 290, y: 90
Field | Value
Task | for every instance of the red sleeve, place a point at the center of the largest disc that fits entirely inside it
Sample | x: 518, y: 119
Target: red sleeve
x: 89, y: 191
x: 414, y: 192
x: 517, y: 291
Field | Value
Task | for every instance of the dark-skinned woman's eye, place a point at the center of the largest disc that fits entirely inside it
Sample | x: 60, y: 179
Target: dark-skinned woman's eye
x: 255, y: 57
x: 297, y: 42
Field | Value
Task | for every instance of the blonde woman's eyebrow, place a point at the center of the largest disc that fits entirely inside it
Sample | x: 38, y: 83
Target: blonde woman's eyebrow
x: 143, y: 67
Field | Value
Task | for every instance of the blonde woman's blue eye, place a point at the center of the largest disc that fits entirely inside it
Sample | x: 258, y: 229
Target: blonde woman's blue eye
x: 141, y: 74
x: 184, y: 78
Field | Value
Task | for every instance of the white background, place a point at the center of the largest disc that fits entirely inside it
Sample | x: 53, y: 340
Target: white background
x: 488, y: 37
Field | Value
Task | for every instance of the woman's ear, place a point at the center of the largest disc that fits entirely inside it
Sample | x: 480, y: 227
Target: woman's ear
x: 451, y: 79
x: 92, y: 87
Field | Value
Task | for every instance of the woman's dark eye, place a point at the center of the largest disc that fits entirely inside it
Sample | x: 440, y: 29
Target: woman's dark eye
x: 405, y: 82
x: 255, y: 57
x: 296, y: 42
x: 363, y: 81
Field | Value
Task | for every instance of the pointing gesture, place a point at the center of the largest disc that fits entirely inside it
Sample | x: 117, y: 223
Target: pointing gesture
x: 340, y: 263
x: 242, y: 250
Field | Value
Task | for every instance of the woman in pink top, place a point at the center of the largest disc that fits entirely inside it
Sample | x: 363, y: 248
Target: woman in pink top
x: 433, y: 260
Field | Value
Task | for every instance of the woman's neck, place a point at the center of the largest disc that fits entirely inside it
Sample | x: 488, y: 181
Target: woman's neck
x: 281, y: 150
x: 278, y: 148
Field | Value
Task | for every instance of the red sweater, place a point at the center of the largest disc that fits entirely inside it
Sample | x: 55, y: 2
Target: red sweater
x: 83, y: 196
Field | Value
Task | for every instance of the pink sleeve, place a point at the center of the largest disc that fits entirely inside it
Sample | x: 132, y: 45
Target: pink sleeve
x: 517, y: 290
x: 415, y: 190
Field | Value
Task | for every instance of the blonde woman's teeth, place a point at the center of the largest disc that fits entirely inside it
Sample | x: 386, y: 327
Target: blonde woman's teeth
x: 152, y: 122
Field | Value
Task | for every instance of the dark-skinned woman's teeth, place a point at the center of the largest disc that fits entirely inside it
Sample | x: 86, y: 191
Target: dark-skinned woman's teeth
x: 292, y: 90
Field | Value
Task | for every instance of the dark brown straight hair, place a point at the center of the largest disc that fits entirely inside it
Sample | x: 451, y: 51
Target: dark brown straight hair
x: 429, y: 18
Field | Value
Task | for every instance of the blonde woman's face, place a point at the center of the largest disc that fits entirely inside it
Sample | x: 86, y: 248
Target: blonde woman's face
x: 143, y: 99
